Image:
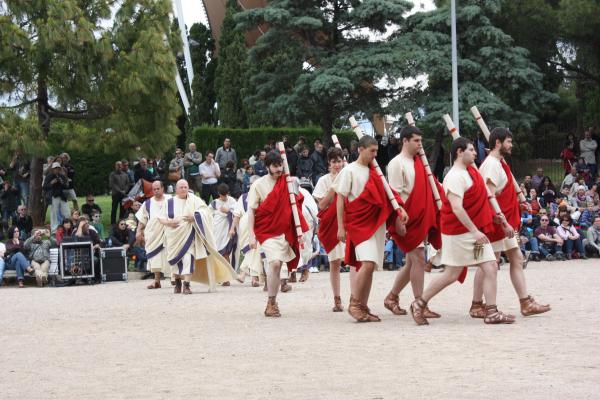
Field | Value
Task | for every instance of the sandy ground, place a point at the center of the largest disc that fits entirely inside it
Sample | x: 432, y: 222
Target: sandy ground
x: 121, y: 341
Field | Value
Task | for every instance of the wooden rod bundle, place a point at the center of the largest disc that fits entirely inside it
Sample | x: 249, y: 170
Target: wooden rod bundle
x: 434, y: 188
x: 291, y: 191
x: 456, y: 135
x: 386, y: 186
x: 486, y: 132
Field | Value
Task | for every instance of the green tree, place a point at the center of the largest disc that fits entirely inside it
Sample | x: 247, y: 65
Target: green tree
x: 493, y: 73
x: 325, y: 59
x: 231, y: 72
x: 69, y: 60
x: 203, y: 100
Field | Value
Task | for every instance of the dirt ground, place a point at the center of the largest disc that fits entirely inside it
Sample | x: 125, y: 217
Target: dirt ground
x: 121, y: 341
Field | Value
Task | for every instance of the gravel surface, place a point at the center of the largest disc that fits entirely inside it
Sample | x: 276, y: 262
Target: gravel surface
x: 122, y: 341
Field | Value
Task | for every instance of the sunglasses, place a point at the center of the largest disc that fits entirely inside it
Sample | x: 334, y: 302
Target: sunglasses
x: 544, y: 219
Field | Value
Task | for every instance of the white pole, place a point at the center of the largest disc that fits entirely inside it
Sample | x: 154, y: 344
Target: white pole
x: 186, y: 46
x: 454, y: 65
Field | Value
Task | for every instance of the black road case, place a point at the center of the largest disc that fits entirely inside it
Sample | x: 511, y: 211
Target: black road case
x: 113, y: 264
x: 77, y: 261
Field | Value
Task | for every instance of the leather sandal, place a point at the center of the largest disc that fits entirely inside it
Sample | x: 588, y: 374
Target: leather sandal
x: 304, y: 276
x: 337, y: 301
x: 177, y: 288
x: 255, y: 282
x: 531, y: 307
x: 186, y: 288
x: 427, y: 313
x: 370, y: 316
x: 495, y: 317
x: 272, y: 309
x: 154, y: 285
x: 417, y: 309
x: 292, y: 278
x: 392, y: 303
x: 477, y: 309
x: 356, y: 310
x: 286, y: 288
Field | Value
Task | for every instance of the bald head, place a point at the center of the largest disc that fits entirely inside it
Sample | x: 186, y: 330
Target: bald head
x: 158, y: 189
x: 182, y: 189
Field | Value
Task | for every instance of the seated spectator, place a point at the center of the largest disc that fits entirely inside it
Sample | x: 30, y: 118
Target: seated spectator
x: 536, y: 180
x: 536, y: 218
x: 246, y: 181
x: 528, y: 183
x: 241, y: 171
x: 96, y: 223
x: 570, y: 178
x: 534, y: 202
x: 83, y: 233
x: 23, y: 222
x: 550, y: 244
x: 137, y: 251
x: 529, y: 243
x: 571, y: 238
x: 76, y: 216
x: 563, y: 211
x: 592, y: 246
x: 15, y: 255
x: 587, y: 216
x: 90, y: 206
x: 64, y: 230
x: 254, y: 158
x: 122, y: 236
x: 593, y: 194
x: 2, y: 263
x: 39, y: 254
x: 527, y: 219
x: 228, y: 176
x: 579, y: 203
x: 547, y: 191
x: 9, y: 201
x: 583, y: 170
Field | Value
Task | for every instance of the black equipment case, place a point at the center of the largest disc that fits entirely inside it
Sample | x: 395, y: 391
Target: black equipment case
x: 113, y: 264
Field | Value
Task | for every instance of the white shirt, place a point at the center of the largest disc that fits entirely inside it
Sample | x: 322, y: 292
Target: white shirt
x: 588, y: 148
x: 351, y: 180
x: 210, y: 172
x: 492, y: 171
x: 401, y: 175
x: 2, y: 249
x: 457, y: 181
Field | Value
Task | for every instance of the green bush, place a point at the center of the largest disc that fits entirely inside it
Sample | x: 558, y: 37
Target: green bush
x: 246, y: 141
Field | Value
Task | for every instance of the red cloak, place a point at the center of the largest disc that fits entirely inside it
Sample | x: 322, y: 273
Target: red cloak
x: 509, y: 204
x: 274, y: 217
x: 328, y: 225
x: 422, y: 212
x: 365, y: 214
x: 477, y: 206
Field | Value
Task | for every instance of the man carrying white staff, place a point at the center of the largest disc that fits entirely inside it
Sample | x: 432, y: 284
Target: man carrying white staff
x: 407, y: 175
x: 189, y: 238
x: 271, y: 226
x: 498, y: 177
x: 152, y: 233
x: 327, y: 232
x: 363, y: 211
x: 466, y: 219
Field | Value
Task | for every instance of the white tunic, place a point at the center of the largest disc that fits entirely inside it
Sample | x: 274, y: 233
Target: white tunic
x: 350, y: 183
x: 276, y: 248
x: 321, y: 190
x: 222, y: 220
x: 492, y: 171
x: 458, y: 249
x: 154, y: 233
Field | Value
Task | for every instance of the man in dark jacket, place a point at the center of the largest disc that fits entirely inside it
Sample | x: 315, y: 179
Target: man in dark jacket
x: 56, y: 183
x: 319, y: 162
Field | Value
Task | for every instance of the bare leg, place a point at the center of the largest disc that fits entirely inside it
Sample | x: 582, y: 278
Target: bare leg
x: 334, y: 276
x: 417, y: 273
x: 402, y: 277
x: 273, y: 280
x: 478, y: 285
x: 353, y: 290
x: 442, y: 281
x: 516, y: 272
x: 490, y: 271
x: 364, y: 278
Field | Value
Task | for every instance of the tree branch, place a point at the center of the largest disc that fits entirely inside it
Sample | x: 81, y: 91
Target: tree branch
x: 575, y: 69
x: 78, y: 115
x: 25, y: 103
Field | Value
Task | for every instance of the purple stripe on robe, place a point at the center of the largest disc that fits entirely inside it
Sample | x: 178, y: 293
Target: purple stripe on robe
x: 147, y: 204
x: 180, y: 266
x: 171, y: 207
x: 155, y: 252
x: 184, y: 249
x: 245, y: 201
x: 193, y: 260
x: 198, y: 219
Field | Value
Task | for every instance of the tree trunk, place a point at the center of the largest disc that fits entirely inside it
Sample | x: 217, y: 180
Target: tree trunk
x: 434, y: 158
x: 327, y: 127
x: 36, y: 197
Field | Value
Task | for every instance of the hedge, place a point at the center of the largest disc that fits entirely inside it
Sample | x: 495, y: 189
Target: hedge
x: 247, y: 141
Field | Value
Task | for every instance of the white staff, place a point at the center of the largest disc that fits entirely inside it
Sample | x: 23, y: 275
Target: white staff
x: 434, y: 188
x: 337, y: 144
x: 386, y: 186
x: 456, y: 135
x: 486, y: 132
x: 291, y: 191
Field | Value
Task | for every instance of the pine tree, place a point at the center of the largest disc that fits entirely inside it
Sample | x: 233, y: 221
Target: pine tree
x: 66, y: 60
x: 231, y: 73
x: 324, y: 58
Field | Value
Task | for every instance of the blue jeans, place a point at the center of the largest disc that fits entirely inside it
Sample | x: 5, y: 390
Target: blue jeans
x: 2, y: 266
x: 570, y: 244
x: 19, y: 263
x: 140, y: 257
x: 549, y: 248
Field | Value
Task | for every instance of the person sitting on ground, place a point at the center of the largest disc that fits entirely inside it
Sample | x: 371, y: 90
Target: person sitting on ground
x: 76, y: 216
x: 139, y: 252
x: 587, y: 216
x: 122, y: 236
x: 592, y: 193
x: 96, y: 223
x: 83, y: 233
x: 23, y: 222
x: 534, y: 202
x: 592, y: 246
x: 570, y: 178
x: 571, y: 238
x: 579, y: 202
x: 583, y: 170
x: 38, y: 246
x: 546, y: 191
x: 15, y: 255
x: 9, y: 201
x: 550, y: 244
x: 65, y: 230
x: 90, y: 206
